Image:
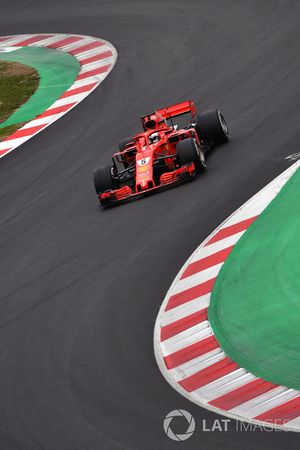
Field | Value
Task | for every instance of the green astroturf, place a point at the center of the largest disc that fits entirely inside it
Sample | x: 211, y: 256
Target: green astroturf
x: 255, y: 304
x: 57, y: 71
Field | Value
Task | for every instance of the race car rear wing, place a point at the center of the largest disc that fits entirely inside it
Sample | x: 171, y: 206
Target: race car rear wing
x: 178, y: 109
x: 172, y: 111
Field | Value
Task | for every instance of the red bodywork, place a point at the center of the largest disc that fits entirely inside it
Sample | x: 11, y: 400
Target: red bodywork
x: 151, y: 156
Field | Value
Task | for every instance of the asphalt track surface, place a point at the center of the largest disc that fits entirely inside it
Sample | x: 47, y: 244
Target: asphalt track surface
x: 81, y: 288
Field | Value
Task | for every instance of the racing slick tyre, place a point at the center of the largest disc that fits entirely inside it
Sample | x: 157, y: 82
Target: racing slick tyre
x: 103, y: 179
x: 188, y: 151
x: 124, y: 142
x: 211, y: 127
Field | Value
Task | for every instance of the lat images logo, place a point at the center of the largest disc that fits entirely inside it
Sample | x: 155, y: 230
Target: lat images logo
x: 190, y: 425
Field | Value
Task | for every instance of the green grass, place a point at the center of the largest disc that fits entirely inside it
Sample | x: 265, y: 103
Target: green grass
x: 7, y: 131
x: 17, y: 84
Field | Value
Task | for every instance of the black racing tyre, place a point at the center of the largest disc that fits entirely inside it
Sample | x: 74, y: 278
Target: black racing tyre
x: 211, y: 127
x: 189, y: 151
x: 124, y: 142
x: 103, y: 179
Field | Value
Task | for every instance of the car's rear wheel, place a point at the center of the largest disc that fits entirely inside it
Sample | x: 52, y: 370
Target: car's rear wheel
x: 189, y: 151
x: 103, y: 179
x: 212, y: 127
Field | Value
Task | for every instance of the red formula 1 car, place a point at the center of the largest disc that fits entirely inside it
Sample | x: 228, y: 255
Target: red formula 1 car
x: 162, y: 155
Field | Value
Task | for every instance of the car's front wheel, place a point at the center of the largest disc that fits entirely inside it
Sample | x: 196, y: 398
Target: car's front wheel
x: 189, y: 151
x: 103, y: 179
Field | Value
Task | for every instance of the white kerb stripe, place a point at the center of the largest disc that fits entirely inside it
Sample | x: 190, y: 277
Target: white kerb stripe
x: 265, y: 402
x: 14, y: 40
x: 50, y: 40
x: 209, y: 394
x: 186, y: 309
x: 210, y: 249
x: 196, y: 365
x: 71, y: 99
x: 197, y: 278
x: 219, y: 383
x: 43, y: 120
x: 186, y: 338
x: 294, y: 423
x: 93, y: 52
x: 77, y: 44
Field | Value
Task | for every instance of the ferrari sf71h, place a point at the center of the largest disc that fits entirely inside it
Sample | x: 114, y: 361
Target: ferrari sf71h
x: 163, y: 154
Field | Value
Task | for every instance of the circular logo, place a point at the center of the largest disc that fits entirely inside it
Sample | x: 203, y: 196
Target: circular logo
x: 188, y: 417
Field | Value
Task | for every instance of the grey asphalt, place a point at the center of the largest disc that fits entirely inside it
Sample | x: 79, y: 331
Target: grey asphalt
x: 81, y: 287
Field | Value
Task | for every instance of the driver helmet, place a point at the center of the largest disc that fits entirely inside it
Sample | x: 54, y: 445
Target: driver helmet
x: 153, y: 138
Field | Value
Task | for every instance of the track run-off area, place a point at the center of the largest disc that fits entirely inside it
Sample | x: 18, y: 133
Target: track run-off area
x: 81, y: 288
x: 204, y: 337
x: 259, y: 288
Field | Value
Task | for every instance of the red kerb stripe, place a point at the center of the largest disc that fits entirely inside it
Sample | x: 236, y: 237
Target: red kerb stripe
x: 282, y: 413
x: 2, y: 152
x: 211, y: 373
x: 66, y: 41
x: 192, y: 351
x: 93, y: 72
x: 79, y: 90
x: 190, y: 294
x: 205, y: 263
x: 183, y: 324
x: 232, y: 229
x: 242, y: 394
x: 86, y: 47
x: 59, y: 109
x: 33, y: 39
x: 97, y: 57
x: 25, y: 132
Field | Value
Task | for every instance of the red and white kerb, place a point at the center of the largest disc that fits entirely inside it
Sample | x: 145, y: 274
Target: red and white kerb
x: 186, y: 349
x: 96, y: 57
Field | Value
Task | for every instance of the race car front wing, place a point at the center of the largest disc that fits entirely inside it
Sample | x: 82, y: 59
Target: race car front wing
x: 167, y: 179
